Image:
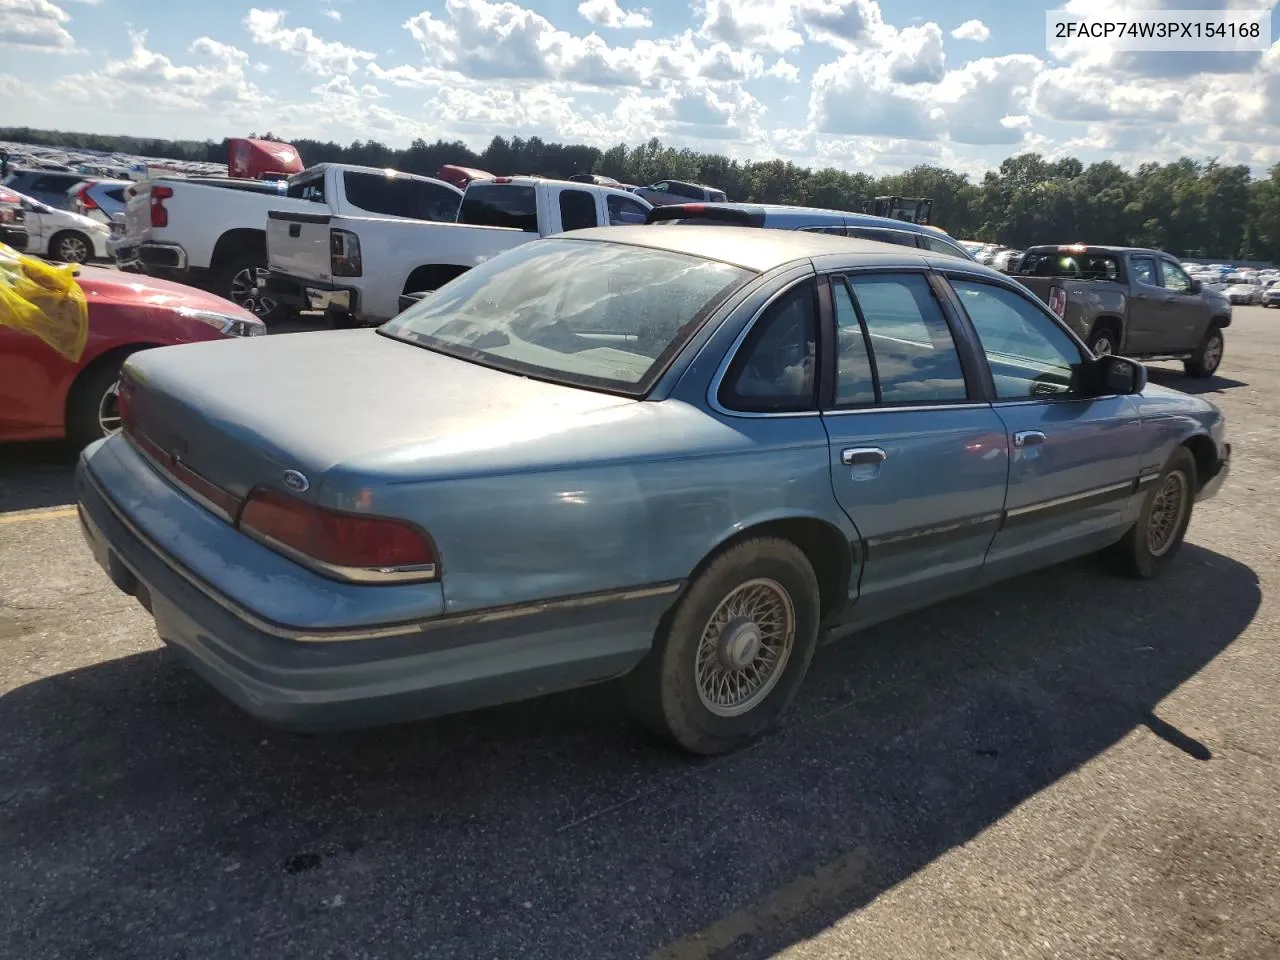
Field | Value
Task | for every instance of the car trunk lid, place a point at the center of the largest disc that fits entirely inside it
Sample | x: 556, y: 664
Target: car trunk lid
x: 240, y: 414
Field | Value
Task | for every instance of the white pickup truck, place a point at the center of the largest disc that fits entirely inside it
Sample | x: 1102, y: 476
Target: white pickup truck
x: 212, y: 231
x: 359, y: 267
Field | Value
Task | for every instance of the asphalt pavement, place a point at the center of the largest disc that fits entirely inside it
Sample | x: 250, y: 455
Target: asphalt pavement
x: 1066, y: 765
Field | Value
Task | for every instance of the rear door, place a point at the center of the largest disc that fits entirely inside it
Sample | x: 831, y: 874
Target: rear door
x: 918, y: 458
x: 579, y: 209
x: 1074, y: 460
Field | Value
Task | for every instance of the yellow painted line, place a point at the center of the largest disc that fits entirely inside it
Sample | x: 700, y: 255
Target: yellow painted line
x: 812, y: 891
x: 30, y: 516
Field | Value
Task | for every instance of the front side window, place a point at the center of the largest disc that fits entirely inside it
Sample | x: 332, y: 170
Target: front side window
x: 1029, y: 355
x: 1144, y: 271
x: 603, y: 315
x: 775, y: 369
x: 916, y: 359
x: 624, y: 211
x: 1175, y: 278
x: 436, y: 202
x: 577, y: 210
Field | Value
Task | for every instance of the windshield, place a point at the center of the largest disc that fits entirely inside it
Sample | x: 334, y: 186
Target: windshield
x: 590, y: 314
x: 1079, y: 266
x: 1235, y: 280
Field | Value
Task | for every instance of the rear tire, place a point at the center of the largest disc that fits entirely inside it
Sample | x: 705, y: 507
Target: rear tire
x: 70, y: 246
x: 732, y: 653
x: 239, y: 278
x: 1208, y: 358
x: 1157, y: 536
x: 92, y: 412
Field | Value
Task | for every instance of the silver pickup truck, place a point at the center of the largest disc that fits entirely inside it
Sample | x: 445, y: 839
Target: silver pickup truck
x: 1131, y: 301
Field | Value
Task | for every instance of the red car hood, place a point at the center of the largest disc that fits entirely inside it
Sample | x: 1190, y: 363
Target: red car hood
x: 101, y: 285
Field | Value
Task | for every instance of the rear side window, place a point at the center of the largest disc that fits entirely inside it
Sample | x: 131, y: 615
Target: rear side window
x: 500, y: 205
x: 312, y: 190
x: 389, y: 196
x: 775, y: 369
x: 623, y: 211
x: 577, y: 210
x: 915, y: 356
x: 116, y: 194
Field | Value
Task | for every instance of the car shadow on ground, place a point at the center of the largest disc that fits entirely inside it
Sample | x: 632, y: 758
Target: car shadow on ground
x: 34, y: 475
x: 1175, y: 379
x: 144, y: 816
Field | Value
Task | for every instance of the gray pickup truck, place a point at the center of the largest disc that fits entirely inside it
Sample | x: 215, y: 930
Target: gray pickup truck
x: 1135, y: 302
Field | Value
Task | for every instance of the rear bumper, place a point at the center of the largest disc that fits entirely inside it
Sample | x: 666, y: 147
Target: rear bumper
x: 1209, y: 489
x: 148, y: 256
x: 312, y: 294
x: 14, y: 237
x: 451, y: 664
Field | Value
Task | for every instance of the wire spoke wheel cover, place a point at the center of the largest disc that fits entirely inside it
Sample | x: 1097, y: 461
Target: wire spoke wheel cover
x: 109, y: 410
x: 744, y: 647
x: 1167, y: 512
x: 245, y: 291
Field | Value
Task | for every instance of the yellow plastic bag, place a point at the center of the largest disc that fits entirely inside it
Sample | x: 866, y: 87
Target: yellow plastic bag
x: 44, y: 301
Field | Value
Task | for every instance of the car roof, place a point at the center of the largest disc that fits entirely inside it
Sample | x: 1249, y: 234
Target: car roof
x: 1096, y: 248
x: 781, y: 211
x: 753, y: 248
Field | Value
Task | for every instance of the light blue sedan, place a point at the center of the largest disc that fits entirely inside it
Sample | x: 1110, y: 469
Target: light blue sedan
x: 680, y: 457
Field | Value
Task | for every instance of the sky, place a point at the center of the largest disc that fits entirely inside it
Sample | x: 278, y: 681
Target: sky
x: 859, y: 85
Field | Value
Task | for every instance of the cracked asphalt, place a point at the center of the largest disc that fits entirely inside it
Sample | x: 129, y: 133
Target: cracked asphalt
x: 1066, y: 765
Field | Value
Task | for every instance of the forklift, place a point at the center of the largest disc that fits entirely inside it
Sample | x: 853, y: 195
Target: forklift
x: 909, y: 209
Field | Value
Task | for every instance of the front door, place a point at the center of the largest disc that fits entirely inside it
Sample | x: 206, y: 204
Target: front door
x: 917, y: 465
x: 1074, y: 460
x: 1188, y: 314
x: 1148, y: 308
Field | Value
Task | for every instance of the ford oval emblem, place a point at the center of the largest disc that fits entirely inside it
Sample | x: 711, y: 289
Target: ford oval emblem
x: 295, y: 481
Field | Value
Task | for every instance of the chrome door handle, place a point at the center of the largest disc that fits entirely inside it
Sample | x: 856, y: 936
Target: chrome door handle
x: 863, y: 456
x: 1028, y: 438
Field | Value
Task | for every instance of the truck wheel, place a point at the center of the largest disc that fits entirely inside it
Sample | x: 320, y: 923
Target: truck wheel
x: 1102, y: 341
x: 239, y: 280
x: 1208, y: 358
x: 93, y: 410
x: 730, y: 656
x: 1152, y: 542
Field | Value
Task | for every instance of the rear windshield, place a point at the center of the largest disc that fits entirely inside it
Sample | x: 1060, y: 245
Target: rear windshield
x: 116, y: 194
x: 500, y: 205
x: 1071, y: 266
x: 602, y: 315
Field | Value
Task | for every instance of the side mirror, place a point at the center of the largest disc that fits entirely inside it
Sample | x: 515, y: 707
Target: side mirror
x: 1196, y: 285
x: 1121, y: 376
x: 407, y: 300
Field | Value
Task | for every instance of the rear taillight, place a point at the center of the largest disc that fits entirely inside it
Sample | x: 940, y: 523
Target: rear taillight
x: 344, y: 253
x: 347, y: 546
x: 160, y: 215
x: 1058, y: 301
x: 86, y: 201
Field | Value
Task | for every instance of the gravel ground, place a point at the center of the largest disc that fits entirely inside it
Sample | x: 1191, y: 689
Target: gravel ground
x: 1067, y: 765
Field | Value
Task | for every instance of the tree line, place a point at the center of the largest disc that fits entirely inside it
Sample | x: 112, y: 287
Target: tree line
x: 1190, y: 208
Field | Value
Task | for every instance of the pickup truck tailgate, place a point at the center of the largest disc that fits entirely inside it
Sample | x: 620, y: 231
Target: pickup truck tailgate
x: 137, y: 213
x: 298, y: 245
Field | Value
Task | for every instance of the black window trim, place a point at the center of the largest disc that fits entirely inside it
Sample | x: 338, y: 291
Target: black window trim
x: 943, y: 278
x: 973, y: 363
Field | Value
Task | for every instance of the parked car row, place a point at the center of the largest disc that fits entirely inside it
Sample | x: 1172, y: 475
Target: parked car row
x: 31, y: 226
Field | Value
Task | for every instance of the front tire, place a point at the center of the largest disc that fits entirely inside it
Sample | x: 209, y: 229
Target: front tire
x: 1208, y: 358
x: 731, y: 655
x: 1153, y: 542
x: 1103, y: 341
x: 70, y: 246
x: 93, y: 410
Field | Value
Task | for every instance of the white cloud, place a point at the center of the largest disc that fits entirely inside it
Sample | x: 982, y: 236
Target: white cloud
x: 782, y: 69
x: 607, y: 13
x: 334, y: 15
x: 324, y: 57
x: 974, y: 30
x: 36, y: 24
